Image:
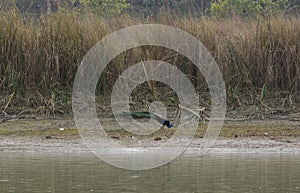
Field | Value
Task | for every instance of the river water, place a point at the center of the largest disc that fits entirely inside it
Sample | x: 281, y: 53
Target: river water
x: 83, y: 172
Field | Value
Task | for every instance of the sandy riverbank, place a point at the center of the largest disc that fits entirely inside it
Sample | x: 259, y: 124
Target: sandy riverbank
x: 61, y: 135
x: 245, y: 145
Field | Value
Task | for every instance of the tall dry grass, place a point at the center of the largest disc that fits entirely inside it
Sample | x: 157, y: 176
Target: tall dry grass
x: 39, y: 57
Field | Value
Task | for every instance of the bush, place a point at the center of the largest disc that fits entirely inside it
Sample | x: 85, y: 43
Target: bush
x: 103, y: 7
x: 247, y: 8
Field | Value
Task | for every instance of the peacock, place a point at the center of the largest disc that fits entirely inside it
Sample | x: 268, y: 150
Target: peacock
x: 157, y: 117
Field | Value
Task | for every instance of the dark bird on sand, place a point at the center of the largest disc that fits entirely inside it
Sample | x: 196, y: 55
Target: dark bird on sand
x: 157, y: 117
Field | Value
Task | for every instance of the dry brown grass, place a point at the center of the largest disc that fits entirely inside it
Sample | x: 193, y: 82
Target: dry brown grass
x: 39, y: 57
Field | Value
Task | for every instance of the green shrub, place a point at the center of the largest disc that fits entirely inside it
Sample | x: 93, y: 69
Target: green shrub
x: 246, y: 8
x: 103, y: 7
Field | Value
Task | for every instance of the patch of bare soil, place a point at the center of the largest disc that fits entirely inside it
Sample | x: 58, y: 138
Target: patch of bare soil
x: 240, y: 136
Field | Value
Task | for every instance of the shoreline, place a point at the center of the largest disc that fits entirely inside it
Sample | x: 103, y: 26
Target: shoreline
x: 61, y: 135
x: 222, y: 146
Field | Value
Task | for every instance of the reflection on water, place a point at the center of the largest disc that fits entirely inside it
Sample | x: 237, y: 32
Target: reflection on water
x: 64, y: 173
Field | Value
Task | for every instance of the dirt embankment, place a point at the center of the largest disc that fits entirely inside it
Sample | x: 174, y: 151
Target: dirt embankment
x: 61, y: 135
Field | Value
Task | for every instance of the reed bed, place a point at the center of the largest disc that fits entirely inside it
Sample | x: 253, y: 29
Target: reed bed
x: 259, y: 58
